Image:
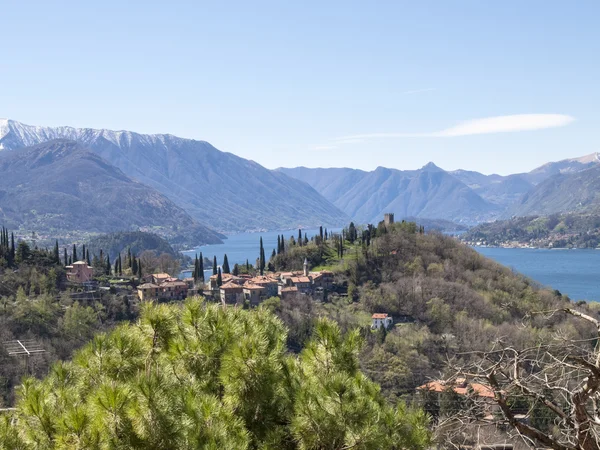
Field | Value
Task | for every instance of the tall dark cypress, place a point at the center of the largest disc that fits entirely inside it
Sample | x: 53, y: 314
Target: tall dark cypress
x: 129, y: 259
x: 219, y: 278
x: 120, y: 265
x: 83, y: 253
x: 139, y: 269
x: 214, y: 265
x: 195, y: 273
x: 134, y: 265
x: 87, y: 257
x: 74, y: 254
x: 201, y: 267
x: 278, y: 245
x: 56, y: 253
x: 65, y: 257
x: 321, y: 232
x: 226, y: 268
x: 300, y: 238
x: 261, y: 264
x: 108, y: 267
x: 247, y: 266
x: 282, y: 244
x: 117, y: 265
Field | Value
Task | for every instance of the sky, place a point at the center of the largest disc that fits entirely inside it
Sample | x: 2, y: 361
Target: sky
x: 497, y: 87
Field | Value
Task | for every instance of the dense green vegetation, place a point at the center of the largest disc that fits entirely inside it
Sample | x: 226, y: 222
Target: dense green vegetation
x: 202, y: 376
x: 137, y: 241
x: 556, y: 231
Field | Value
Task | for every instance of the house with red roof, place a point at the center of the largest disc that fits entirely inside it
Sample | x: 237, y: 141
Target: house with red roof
x: 381, y: 320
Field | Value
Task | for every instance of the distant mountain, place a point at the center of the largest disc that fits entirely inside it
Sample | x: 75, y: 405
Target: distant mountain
x: 566, y: 166
x: 497, y: 189
x: 228, y: 192
x: 565, y: 192
x: 429, y: 192
x: 60, y: 186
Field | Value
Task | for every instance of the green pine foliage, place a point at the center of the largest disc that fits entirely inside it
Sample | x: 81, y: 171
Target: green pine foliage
x: 201, y: 376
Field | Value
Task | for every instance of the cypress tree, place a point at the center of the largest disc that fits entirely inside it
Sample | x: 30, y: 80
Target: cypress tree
x: 300, y: 238
x: 195, y: 273
x: 236, y: 270
x: 12, y: 246
x: 226, y: 264
x: 87, y: 257
x: 74, y: 255
x: 108, y: 267
x: 261, y: 264
x: 201, y: 267
x: 134, y: 265
x: 282, y: 244
x: 321, y: 232
x: 117, y: 265
x: 120, y: 265
x: 273, y: 254
x: 66, y: 258
x: 305, y: 239
x: 247, y: 266
x: 278, y: 245
x: 219, y: 278
x: 83, y: 253
x: 56, y: 253
x: 139, y: 269
x: 129, y: 259
x: 214, y: 265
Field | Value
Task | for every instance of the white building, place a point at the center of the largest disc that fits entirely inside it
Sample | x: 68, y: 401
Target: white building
x: 381, y: 320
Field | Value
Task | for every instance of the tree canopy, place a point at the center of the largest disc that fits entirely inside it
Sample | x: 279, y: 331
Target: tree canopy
x: 202, y: 376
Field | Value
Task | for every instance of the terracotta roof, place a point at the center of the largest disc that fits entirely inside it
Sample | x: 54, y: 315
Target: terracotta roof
x: 253, y: 287
x: 296, y: 280
x: 172, y: 279
x: 147, y: 286
x: 188, y: 279
x: 379, y: 316
x: 229, y: 286
x: 287, y: 274
x: 462, y: 389
x: 289, y: 289
x: 161, y: 275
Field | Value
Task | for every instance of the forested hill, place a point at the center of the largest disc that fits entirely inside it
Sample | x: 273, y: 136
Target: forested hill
x: 60, y: 186
x: 570, y: 230
x: 137, y: 242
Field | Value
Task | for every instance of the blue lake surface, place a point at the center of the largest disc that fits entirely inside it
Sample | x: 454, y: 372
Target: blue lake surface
x: 240, y: 247
x: 575, y: 273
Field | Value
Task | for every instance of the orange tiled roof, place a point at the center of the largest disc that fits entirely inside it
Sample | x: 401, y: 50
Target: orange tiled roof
x: 231, y: 285
x: 296, y: 280
x: 253, y: 287
x: 479, y: 389
x: 148, y: 286
x: 173, y: 283
x: 289, y: 289
x: 379, y: 316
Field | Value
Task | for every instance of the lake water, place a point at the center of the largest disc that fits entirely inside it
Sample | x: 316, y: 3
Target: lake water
x: 240, y: 247
x: 575, y: 273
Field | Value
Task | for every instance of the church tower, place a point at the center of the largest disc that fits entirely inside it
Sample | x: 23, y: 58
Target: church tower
x: 305, y: 267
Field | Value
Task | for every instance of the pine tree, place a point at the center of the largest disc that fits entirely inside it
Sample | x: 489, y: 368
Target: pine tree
x: 219, y: 277
x: 214, y: 265
x: 226, y: 264
x: 56, y: 253
x: 201, y: 268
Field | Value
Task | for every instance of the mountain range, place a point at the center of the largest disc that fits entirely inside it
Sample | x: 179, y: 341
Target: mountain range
x: 460, y: 196
x: 217, y: 188
x: 233, y: 194
x: 61, y: 186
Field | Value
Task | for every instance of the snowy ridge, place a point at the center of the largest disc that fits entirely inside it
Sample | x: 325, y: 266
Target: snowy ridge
x: 15, y: 134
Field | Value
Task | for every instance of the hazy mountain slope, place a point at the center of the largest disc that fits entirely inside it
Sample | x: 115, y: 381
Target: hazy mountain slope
x: 497, y: 189
x: 426, y: 193
x: 60, y: 186
x: 578, y: 191
x: 566, y: 166
x: 224, y: 190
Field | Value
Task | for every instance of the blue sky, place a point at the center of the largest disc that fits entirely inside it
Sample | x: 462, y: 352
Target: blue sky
x: 356, y: 84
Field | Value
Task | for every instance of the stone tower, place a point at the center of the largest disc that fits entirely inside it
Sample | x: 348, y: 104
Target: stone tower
x: 305, y: 267
x: 388, y: 219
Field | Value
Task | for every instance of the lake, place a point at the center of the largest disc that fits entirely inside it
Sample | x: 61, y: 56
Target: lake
x: 575, y: 273
x: 240, y: 247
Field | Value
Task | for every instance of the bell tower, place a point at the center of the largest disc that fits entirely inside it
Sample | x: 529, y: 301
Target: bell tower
x: 305, y: 267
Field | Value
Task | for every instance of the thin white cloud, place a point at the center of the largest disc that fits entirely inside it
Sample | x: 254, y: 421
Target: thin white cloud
x: 498, y: 124
x: 507, y: 124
